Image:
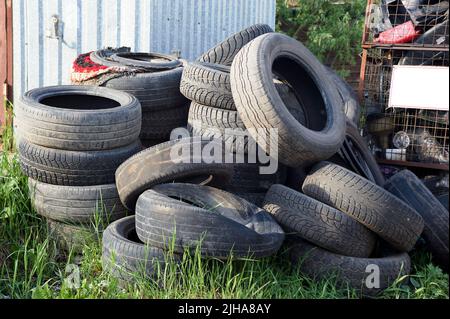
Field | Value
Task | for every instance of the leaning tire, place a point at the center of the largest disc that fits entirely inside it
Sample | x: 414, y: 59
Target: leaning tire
x: 125, y: 256
x: 71, y: 168
x: 318, y: 223
x: 155, y: 166
x: 406, y: 186
x: 383, y: 213
x: 78, y: 118
x: 352, y: 272
x: 217, y: 223
x: 261, y: 107
x: 76, y: 204
x: 224, y: 52
x: 208, y: 84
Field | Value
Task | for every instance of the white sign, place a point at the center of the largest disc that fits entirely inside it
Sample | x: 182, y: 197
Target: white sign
x: 419, y: 87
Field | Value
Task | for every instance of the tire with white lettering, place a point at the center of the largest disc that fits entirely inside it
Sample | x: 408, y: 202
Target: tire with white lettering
x: 125, y: 256
x: 224, y: 52
x: 410, y: 189
x: 173, y: 161
x: 326, y: 227
x: 219, y: 224
x: 261, y: 108
x: 368, y: 276
x: 374, y: 207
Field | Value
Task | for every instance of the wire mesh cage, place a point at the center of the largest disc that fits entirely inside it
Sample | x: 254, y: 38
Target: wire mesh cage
x: 418, y: 23
x: 397, y: 134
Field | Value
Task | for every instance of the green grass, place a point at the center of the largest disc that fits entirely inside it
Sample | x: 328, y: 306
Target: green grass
x: 32, y: 267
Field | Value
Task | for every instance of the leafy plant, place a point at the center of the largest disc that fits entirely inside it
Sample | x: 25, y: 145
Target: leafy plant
x: 332, y: 30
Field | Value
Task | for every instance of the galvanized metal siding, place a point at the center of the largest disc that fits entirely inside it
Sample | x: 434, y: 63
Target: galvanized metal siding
x: 188, y: 26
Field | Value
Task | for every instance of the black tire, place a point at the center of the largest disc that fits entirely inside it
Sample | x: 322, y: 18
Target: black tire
x: 150, y: 60
x: 150, y: 143
x: 103, y: 56
x: 224, y: 52
x: 155, y: 90
x: 254, y: 198
x: 247, y: 178
x: 76, y: 204
x: 78, y: 118
x: 207, y: 84
x: 159, y: 124
x: 212, y: 118
x: 70, y: 237
x: 352, y: 108
x: 406, y: 186
x: 377, y: 209
x: 358, y: 158
x: 352, y: 272
x: 260, y: 106
x: 443, y: 199
x: 71, y: 168
x: 125, y: 256
x: 154, y: 166
x: 295, y: 178
x: 183, y: 216
x: 320, y: 224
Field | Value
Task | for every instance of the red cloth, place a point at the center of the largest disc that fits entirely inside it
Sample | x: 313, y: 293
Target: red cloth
x: 402, y: 33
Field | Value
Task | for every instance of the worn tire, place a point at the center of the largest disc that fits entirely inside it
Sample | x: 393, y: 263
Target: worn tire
x: 154, y: 166
x: 145, y: 60
x: 125, y: 256
x: 72, y: 168
x: 254, y: 198
x: 406, y: 186
x: 377, y: 209
x: 320, y: 264
x: 76, y: 204
x: 158, y: 125
x: 182, y: 216
x: 260, y: 106
x: 154, y: 90
x: 212, y: 118
x: 207, y: 84
x: 70, y: 237
x: 358, y: 158
x: 247, y: 178
x: 318, y: 223
x: 224, y: 52
x: 101, y: 119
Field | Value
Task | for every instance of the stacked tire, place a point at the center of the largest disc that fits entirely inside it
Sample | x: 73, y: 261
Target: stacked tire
x: 213, y: 114
x: 175, y: 211
x: 71, y: 140
x: 154, y: 79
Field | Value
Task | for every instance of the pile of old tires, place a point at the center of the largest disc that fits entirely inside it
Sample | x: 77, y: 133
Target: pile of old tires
x: 154, y: 79
x: 71, y: 140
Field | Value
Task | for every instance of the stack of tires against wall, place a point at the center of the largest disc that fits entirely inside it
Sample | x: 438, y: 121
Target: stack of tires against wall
x: 213, y: 114
x: 154, y: 79
x: 339, y: 221
x: 71, y: 140
x: 176, y: 212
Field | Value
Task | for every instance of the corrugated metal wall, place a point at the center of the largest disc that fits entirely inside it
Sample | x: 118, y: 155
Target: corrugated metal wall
x: 188, y: 26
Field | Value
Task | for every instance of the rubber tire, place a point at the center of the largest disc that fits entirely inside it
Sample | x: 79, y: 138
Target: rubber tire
x: 410, y: 189
x: 320, y: 224
x: 76, y: 204
x: 225, y: 225
x: 154, y: 90
x: 224, y: 52
x: 320, y: 264
x: 213, y: 118
x: 71, y: 168
x: 377, y: 209
x: 154, y: 166
x: 373, y: 172
x: 124, y: 255
x: 254, y: 198
x: 443, y: 199
x: 77, y: 129
x: 260, y: 105
x: 158, y: 125
x: 70, y: 237
x: 133, y: 59
x: 207, y: 84
x: 352, y: 109
x: 247, y: 178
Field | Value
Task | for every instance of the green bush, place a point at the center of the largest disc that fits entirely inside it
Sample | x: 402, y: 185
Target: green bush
x: 332, y: 30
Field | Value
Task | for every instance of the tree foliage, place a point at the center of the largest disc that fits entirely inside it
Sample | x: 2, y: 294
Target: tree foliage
x: 332, y: 30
